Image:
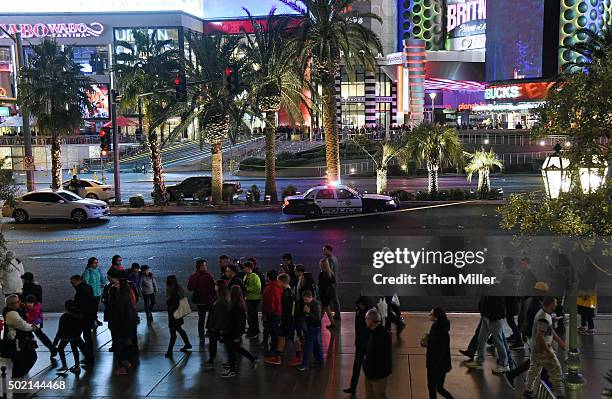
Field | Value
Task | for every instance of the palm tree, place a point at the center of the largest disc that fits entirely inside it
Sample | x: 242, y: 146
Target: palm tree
x: 146, y: 69
x: 381, y: 153
x: 482, y: 162
x: 210, y: 106
x: 275, y: 80
x: 332, y: 31
x: 434, y: 145
x: 596, y: 47
x: 54, y: 90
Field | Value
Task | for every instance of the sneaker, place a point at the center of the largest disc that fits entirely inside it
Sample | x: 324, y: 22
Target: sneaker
x: 76, y: 369
x: 255, y: 364
x: 509, y: 380
x: 273, y: 360
x: 120, y: 371
x: 227, y: 365
x: 475, y: 365
x: 228, y: 374
x: 296, y: 361
x: 467, y: 354
x: 528, y: 394
x: 62, y: 370
x: 302, y: 368
x: 501, y: 369
x: 253, y: 336
x: 186, y: 348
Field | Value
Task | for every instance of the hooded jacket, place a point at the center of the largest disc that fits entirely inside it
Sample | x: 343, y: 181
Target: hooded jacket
x: 96, y: 280
x: 10, y: 275
x: 438, y: 347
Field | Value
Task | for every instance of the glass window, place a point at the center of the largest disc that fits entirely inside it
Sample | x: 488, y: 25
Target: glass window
x: 383, y: 114
x: 69, y: 196
x: 326, y: 193
x: 352, y: 85
x: 383, y: 84
x: 42, y: 197
x: 310, y: 194
x: 343, y: 193
x: 353, y: 115
x: 93, y: 59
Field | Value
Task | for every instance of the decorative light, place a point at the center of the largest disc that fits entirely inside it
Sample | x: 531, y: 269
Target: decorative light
x: 432, y: 95
x: 352, y: 170
x: 567, y: 144
x: 486, y: 141
x: 404, y: 167
x: 542, y: 143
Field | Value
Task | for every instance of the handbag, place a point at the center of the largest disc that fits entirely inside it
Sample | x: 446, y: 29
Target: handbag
x: 183, y: 309
x: 27, y: 344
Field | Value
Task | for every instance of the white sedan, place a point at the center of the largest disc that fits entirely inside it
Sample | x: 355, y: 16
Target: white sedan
x: 54, y: 204
x: 93, y: 189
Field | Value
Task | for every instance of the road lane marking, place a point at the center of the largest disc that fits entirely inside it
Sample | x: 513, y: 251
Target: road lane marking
x: 72, y: 239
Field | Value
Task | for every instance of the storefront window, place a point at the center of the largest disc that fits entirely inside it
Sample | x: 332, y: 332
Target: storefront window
x: 352, y: 87
x: 93, y: 60
x: 383, y: 84
x: 5, y: 54
x: 383, y: 114
x: 353, y: 115
x: 127, y: 35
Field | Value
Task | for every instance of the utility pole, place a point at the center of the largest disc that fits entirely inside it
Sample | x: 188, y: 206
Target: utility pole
x: 116, y: 166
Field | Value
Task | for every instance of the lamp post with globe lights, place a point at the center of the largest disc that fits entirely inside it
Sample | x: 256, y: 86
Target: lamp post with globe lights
x: 432, y: 95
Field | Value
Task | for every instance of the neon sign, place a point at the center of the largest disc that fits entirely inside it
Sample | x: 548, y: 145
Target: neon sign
x: 503, y: 92
x: 40, y: 30
x: 466, y: 24
x: 519, y: 92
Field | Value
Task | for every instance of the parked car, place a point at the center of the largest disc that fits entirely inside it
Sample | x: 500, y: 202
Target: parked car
x: 93, y: 189
x: 54, y: 204
x: 336, y: 200
x: 192, y: 187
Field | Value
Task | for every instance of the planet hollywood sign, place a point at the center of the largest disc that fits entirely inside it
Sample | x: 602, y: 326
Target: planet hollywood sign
x: 41, y: 30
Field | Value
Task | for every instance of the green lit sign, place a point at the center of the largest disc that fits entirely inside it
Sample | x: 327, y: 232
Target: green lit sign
x: 4, y: 111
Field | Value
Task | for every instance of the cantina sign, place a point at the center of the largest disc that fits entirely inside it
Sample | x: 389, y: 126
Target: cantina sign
x: 40, y: 30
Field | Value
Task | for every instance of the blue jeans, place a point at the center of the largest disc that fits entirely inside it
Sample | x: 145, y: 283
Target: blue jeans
x: 495, y: 330
x: 313, y: 345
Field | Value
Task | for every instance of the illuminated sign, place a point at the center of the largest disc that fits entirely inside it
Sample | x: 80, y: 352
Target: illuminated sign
x: 467, y: 106
x: 238, y: 27
x: 98, y: 98
x: 466, y: 24
x: 40, y: 30
x: 358, y: 99
x: 504, y: 92
x: 5, y: 111
x: 384, y: 99
x: 518, y: 92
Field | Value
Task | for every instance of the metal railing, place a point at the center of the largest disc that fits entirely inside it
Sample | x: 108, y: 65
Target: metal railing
x: 81, y: 139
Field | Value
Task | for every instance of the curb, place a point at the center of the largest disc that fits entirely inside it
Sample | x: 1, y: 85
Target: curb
x: 411, y: 204
x: 186, y: 210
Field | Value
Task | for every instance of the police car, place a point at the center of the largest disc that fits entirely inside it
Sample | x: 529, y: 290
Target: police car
x: 335, y: 199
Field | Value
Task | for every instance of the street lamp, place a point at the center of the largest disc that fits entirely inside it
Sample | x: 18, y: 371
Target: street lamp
x: 432, y: 95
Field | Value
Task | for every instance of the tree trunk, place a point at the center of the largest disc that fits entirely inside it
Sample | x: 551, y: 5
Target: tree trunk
x: 484, y: 183
x: 271, y: 157
x: 432, y: 177
x: 159, y: 188
x: 332, y: 149
x: 381, y: 179
x: 56, y: 162
x: 217, y: 172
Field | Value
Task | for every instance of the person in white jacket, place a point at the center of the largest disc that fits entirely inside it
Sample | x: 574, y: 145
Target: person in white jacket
x: 11, y: 271
x: 19, y: 332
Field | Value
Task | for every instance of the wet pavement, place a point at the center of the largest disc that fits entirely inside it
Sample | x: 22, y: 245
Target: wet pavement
x: 183, y: 377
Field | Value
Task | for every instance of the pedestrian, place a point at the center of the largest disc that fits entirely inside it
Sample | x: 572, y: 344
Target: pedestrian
x: 69, y: 332
x: 377, y: 362
x: 362, y: 335
x: 587, y: 297
x: 252, y: 285
x: 223, y: 262
x: 510, y: 285
x: 116, y: 263
x: 11, y: 271
x: 86, y: 304
x: 328, y: 253
x: 18, y: 333
x: 30, y: 287
x: 34, y: 315
x: 299, y: 272
x: 438, y: 359
x: 288, y: 268
x: 232, y: 336
x: 133, y: 278
x: 202, y: 284
x: 311, y: 312
x: 272, y: 312
x: 394, y: 314
x: 287, y: 326
x: 542, y: 353
x: 125, y: 321
x: 327, y: 290
x: 528, y: 279
x: 107, y: 300
x: 174, y: 294
x: 231, y: 275
x: 96, y: 279
x: 217, y: 320
x: 148, y: 287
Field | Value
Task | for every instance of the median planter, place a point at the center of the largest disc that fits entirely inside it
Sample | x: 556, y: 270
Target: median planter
x: 137, y: 202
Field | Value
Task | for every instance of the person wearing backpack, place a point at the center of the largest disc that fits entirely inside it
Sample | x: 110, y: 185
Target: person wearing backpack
x: 202, y: 284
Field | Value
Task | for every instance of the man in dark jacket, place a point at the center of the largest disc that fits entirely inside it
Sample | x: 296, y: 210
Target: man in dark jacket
x: 378, y: 361
x: 30, y: 287
x: 202, y: 284
x: 232, y: 278
x: 528, y: 279
x: 362, y: 335
x: 86, y: 304
x: 493, y: 314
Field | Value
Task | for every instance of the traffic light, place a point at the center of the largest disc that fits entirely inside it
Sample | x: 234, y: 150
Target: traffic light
x: 180, y: 87
x: 232, y: 81
x: 105, y: 142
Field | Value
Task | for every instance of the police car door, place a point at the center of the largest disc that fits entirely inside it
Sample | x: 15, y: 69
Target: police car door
x: 326, y: 201
x: 348, y: 202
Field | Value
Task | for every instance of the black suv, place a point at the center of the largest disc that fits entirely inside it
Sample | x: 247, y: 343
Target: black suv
x: 201, y: 185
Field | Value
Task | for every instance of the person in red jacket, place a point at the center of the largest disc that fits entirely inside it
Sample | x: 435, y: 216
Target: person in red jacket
x: 202, y: 284
x: 272, y: 310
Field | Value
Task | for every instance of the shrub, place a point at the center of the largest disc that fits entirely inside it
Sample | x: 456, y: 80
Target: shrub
x: 252, y: 163
x: 402, y: 195
x: 137, y: 201
x: 285, y: 155
x: 395, y: 170
x: 287, y: 191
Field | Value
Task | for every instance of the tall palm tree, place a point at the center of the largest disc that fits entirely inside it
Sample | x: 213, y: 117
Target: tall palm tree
x: 482, y: 162
x: 275, y: 80
x: 210, y: 106
x: 596, y: 47
x: 146, y: 69
x: 54, y: 90
x: 434, y: 145
x: 331, y: 31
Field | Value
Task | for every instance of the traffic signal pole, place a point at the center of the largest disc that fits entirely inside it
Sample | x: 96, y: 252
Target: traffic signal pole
x: 116, y: 166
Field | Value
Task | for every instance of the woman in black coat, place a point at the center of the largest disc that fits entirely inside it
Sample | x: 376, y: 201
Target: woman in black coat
x: 232, y: 335
x: 438, y: 354
x: 327, y: 290
x: 174, y: 294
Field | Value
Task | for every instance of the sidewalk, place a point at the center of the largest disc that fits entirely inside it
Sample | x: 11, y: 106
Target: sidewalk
x: 183, y: 377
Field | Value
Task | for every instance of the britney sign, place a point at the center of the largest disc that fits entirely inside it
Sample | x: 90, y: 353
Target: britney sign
x: 466, y: 24
x: 42, y: 30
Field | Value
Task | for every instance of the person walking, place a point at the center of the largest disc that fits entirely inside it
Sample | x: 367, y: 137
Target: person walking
x: 133, y: 278
x: 34, y: 315
x: 18, y: 333
x: 272, y: 309
x: 587, y: 297
x: 107, y: 299
x: 438, y: 360
x: 510, y: 285
x: 232, y: 336
x: 252, y: 285
x: 174, y: 294
x: 378, y: 361
x: 528, y: 279
x: 96, y: 280
x: 11, y: 271
x: 328, y: 253
x: 542, y: 353
x: 217, y: 320
x: 287, y: 326
x: 311, y: 313
x: 69, y: 332
x: 148, y: 287
x: 202, y: 284
x: 327, y: 289
x: 362, y: 335
x: 125, y: 321
x: 86, y: 304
